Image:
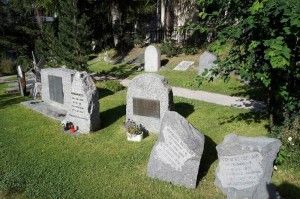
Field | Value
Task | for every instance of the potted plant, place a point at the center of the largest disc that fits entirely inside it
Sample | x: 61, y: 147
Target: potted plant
x: 134, y: 131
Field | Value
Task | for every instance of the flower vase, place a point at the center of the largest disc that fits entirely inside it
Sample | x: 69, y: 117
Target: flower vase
x: 134, y: 137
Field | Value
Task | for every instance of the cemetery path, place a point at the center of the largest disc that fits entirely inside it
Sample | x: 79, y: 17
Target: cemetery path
x: 220, y: 99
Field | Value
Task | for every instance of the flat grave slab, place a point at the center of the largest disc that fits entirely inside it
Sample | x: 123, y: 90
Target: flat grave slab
x: 46, y: 109
x: 184, y: 65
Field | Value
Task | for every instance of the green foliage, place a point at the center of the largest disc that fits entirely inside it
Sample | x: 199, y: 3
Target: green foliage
x: 289, y: 134
x: 189, y: 50
x: 133, y: 128
x: 265, y: 46
x: 6, y: 66
x: 169, y: 48
x: 112, y: 85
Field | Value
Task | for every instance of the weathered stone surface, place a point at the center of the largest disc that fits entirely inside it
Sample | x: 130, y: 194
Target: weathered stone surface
x: 148, y: 98
x: 177, y: 153
x: 245, y: 166
x: 206, y: 61
x: 184, y: 65
x: 84, y: 111
x: 66, y: 76
x: 152, y: 59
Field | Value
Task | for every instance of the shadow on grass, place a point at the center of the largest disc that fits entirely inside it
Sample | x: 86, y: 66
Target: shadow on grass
x: 287, y: 190
x: 121, y: 72
x: 110, y: 116
x: 184, y: 109
x: 164, y: 62
x: 103, y: 92
x: 7, y: 100
x: 250, y: 117
x: 209, y: 156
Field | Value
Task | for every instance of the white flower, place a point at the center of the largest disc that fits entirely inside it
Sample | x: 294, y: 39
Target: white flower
x: 293, y: 144
x: 275, y: 168
x: 290, y: 139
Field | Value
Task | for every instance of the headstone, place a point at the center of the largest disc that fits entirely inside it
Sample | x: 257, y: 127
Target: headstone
x: 21, y: 81
x: 245, y: 166
x: 206, y: 61
x: 84, y: 111
x: 152, y: 59
x: 184, y: 65
x: 57, y: 86
x: 148, y: 98
x: 177, y: 153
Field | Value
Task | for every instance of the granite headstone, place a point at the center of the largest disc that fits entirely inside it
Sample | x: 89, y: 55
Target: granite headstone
x: 245, y: 166
x: 152, y: 59
x: 148, y: 98
x: 177, y: 153
x: 84, y: 111
x: 206, y: 61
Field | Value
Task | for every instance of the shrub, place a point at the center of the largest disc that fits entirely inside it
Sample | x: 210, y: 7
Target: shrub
x: 289, y: 134
x: 169, y: 48
x: 112, y: 85
x: 6, y: 66
x: 189, y: 50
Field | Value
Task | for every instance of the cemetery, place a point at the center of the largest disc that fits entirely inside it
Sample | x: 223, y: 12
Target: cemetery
x: 151, y: 99
x: 186, y: 144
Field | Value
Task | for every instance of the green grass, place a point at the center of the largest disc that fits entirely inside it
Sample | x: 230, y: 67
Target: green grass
x: 38, y: 160
x: 185, y: 79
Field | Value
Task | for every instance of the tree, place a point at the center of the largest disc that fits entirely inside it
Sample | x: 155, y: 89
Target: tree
x: 264, y: 37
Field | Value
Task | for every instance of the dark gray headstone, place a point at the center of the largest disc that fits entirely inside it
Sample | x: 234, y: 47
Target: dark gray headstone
x: 148, y: 98
x: 245, y: 166
x: 84, y: 111
x: 177, y: 153
x: 206, y: 61
x: 56, y: 89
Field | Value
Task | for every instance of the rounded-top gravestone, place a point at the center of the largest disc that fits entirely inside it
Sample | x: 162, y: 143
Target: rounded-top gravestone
x: 148, y: 98
x: 152, y: 59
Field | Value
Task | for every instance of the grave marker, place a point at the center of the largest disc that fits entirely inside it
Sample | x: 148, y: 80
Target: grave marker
x: 177, y: 153
x: 84, y: 111
x: 148, y: 98
x: 245, y: 166
x: 152, y: 59
x: 206, y: 61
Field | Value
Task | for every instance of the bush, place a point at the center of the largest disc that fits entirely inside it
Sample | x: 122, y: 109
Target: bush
x: 112, y: 85
x: 169, y: 48
x: 189, y: 50
x: 6, y: 66
x: 289, y: 134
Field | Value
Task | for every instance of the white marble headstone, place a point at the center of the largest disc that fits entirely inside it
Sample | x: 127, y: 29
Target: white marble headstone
x: 152, y: 59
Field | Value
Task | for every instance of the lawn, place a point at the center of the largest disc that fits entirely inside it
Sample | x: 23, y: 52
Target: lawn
x: 184, y: 79
x: 38, y: 160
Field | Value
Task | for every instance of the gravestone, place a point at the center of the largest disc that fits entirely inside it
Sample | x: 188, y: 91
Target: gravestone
x: 177, y: 153
x: 206, y: 61
x: 245, y: 166
x: 148, y: 98
x: 84, y: 111
x: 184, y: 65
x: 21, y: 81
x: 57, y: 86
x: 152, y: 59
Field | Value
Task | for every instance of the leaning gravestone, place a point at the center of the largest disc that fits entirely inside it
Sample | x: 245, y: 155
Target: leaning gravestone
x: 206, y: 61
x: 177, y: 153
x: 148, y: 98
x: 152, y: 59
x: 84, y: 111
x: 245, y: 166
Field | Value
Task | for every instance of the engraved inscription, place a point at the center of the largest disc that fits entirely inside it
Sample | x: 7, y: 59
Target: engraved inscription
x: 240, y: 171
x: 56, y: 89
x: 77, y: 106
x: 173, y: 151
x: 146, y: 107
